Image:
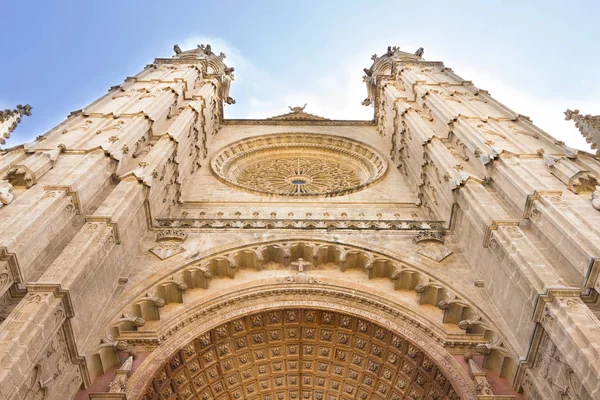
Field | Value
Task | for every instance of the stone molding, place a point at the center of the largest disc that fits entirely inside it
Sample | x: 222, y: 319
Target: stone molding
x: 245, y: 161
x: 47, y: 289
x: 201, y: 269
x: 337, y: 122
x: 295, y: 296
x: 330, y: 349
x: 312, y: 224
x: 311, y: 287
x: 70, y: 192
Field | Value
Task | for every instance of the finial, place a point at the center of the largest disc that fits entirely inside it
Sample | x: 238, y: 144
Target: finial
x: 9, y: 119
x: 296, y: 110
x: 569, y: 114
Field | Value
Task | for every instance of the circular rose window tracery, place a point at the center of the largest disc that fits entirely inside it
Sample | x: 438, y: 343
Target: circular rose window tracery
x: 296, y: 164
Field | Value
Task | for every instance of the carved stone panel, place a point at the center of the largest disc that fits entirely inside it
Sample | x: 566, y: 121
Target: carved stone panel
x: 299, y: 165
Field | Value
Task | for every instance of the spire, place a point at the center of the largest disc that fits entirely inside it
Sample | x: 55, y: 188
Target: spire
x: 202, y: 51
x: 212, y: 66
x: 384, y: 66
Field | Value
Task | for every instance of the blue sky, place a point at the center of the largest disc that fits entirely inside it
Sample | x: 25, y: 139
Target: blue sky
x: 537, y: 57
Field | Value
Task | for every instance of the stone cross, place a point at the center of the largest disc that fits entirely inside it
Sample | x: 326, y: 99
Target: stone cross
x: 300, y: 264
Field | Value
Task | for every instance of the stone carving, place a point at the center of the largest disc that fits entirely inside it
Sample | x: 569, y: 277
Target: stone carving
x: 549, y: 366
x: 299, y: 165
x: 596, y: 198
x: 167, y: 250
x: 226, y: 85
x: 301, y: 276
x: 297, y: 114
x: 588, y: 125
x: 9, y: 119
x: 482, y: 386
x: 292, y: 223
x: 169, y: 243
x: 7, y: 301
x: 297, y: 109
x: 48, y: 369
x: 431, y: 245
x: 338, y: 350
x: 6, y: 195
x: 377, y: 268
x: 171, y: 235
x: 300, y: 176
x: 442, y: 129
x: 425, y: 236
x: 119, y: 383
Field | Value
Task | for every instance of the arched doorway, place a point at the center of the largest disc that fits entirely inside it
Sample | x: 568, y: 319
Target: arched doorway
x: 299, y: 341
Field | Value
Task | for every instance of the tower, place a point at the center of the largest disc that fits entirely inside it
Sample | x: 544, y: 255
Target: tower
x: 151, y: 249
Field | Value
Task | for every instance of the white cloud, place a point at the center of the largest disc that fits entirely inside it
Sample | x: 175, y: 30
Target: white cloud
x: 338, y: 94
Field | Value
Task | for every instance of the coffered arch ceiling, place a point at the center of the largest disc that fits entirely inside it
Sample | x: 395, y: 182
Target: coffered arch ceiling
x: 300, y: 353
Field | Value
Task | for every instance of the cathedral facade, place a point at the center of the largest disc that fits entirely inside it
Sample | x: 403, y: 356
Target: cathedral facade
x: 152, y: 249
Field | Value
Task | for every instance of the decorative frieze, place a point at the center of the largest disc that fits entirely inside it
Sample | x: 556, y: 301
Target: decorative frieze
x: 293, y: 223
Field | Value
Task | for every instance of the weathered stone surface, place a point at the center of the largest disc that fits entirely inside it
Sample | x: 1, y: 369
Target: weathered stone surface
x: 448, y: 248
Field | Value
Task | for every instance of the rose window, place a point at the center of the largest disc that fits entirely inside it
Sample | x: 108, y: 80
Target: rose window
x: 299, y: 165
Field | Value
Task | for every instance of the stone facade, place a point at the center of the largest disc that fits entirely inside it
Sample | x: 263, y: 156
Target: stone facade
x: 151, y: 249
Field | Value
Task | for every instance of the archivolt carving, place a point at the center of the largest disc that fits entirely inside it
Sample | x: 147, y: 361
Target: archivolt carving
x: 360, y: 315
x: 300, y: 353
x: 198, y: 274
x: 299, y: 164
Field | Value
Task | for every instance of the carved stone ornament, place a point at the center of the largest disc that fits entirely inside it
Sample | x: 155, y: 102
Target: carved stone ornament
x: 9, y: 119
x: 431, y: 245
x: 424, y: 236
x: 49, y: 369
x: 588, y: 125
x: 167, y: 250
x: 169, y: 243
x: 298, y: 114
x: 6, y: 195
x: 119, y: 383
x: 171, y: 235
x: 596, y: 198
x: 434, y: 251
x: 299, y: 164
